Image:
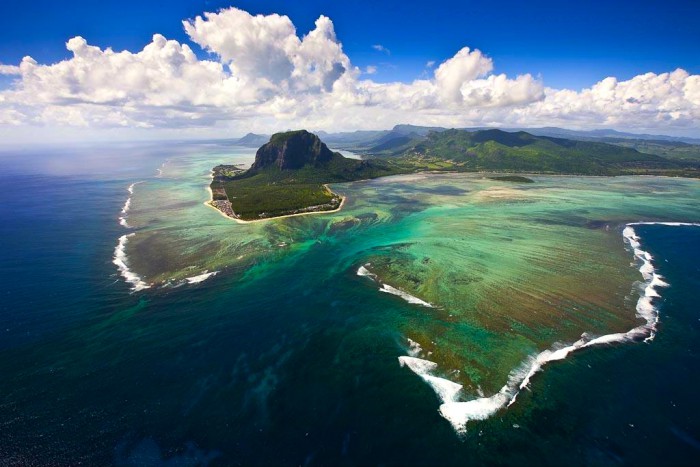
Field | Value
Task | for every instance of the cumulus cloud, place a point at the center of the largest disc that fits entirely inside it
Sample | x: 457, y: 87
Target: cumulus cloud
x: 265, y: 50
x: 646, y: 102
x: 164, y: 82
x: 465, y: 66
x: 262, y: 74
x: 9, y: 70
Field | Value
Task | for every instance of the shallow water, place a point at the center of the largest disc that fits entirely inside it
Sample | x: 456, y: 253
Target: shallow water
x: 287, y: 356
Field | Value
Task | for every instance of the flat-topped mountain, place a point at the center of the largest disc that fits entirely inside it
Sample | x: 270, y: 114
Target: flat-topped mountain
x: 293, y: 150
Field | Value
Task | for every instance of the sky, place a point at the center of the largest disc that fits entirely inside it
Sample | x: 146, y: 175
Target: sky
x: 85, y: 69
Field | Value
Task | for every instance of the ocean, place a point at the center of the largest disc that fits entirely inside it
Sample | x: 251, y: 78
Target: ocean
x: 140, y: 327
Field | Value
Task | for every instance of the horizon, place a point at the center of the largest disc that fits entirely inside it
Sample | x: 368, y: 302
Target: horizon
x: 203, y: 70
x: 5, y: 146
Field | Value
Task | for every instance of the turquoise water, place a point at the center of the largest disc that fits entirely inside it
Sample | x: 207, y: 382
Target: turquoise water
x: 287, y: 356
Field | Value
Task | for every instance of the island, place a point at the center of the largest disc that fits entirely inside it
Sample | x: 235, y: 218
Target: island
x: 291, y: 172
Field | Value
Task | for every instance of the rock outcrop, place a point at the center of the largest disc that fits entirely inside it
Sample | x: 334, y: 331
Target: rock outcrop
x: 292, y: 150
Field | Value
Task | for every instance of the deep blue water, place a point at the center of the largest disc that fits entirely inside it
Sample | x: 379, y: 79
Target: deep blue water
x: 225, y: 375
x: 635, y: 404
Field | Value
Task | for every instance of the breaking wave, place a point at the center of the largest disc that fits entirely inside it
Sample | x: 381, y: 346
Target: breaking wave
x: 126, y: 207
x: 121, y: 261
x: 406, y: 296
x: 189, y: 280
x: 386, y: 288
x: 201, y: 277
x: 159, y: 170
x: 459, y: 413
x: 446, y: 390
x: 364, y: 272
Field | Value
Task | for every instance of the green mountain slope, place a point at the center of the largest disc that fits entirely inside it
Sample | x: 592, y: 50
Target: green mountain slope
x: 496, y: 150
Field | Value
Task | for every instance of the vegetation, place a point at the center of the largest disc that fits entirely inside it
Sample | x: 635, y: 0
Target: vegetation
x: 674, y: 150
x: 289, y: 176
x: 290, y: 171
x: 500, y: 151
x: 258, y: 197
x: 226, y: 171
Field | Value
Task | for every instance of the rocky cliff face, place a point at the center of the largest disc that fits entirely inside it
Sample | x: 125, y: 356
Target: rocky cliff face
x: 292, y: 150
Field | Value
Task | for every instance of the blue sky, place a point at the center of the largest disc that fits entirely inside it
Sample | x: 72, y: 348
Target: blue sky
x: 570, y: 44
x: 211, y: 68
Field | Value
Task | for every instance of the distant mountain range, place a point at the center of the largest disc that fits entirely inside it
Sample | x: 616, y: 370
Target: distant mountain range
x: 408, y: 148
x: 404, y: 136
x: 252, y: 140
x: 497, y: 150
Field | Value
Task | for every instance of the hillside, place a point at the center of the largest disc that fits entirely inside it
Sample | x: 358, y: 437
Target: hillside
x: 497, y: 150
x: 674, y: 150
x: 402, y: 137
x: 289, y: 177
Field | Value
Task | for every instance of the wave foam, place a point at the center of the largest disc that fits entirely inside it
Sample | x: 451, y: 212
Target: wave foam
x: 120, y: 260
x: 200, y: 278
x: 126, y: 207
x: 459, y: 413
x: 364, y: 272
x: 672, y: 224
x: 414, y: 348
x: 406, y: 296
x: 159, y: 170
x: 446, y: 390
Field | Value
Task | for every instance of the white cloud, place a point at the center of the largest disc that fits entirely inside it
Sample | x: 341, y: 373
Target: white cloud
x: 430, y: 64
x: 381, y: 48
x: 266, y: 51
x: 9, y: 70
x: 465, y: 66
x: 262, y: 75
x: 648, y: 102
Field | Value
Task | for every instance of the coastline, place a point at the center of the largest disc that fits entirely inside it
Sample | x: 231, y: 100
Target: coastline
x: 241, y: 221
x: 479, y: 173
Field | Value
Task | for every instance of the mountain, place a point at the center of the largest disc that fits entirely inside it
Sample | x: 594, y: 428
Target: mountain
x: 370, y: 138
x: 395, y: 144
x: 290, y: 171
x: 383, y: 141
x: 252, y: 140
x: 497, y: 150
x: 292, y: 150
x: 603, y: 133
x: 351, y: 138
x: 404, y: 129
x: 289, y: 176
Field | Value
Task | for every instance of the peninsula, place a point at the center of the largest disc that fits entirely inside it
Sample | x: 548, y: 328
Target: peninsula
x: 289, y: 177
x: 291, y: 172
